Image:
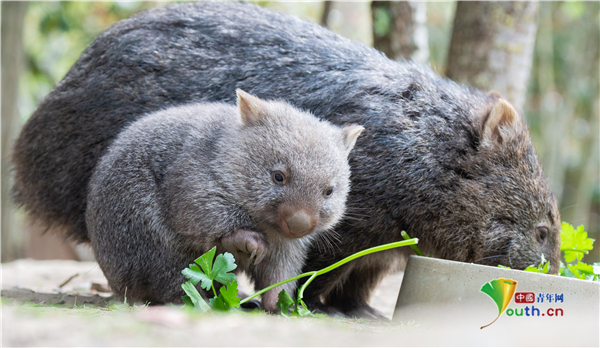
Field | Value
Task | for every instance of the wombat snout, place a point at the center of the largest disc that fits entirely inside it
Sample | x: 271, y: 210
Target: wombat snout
x: 296, y: 223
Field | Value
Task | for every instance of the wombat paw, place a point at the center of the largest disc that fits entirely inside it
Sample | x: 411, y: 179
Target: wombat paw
x: 251, y: 305
x: 319, y: 308
x: 247, y: 242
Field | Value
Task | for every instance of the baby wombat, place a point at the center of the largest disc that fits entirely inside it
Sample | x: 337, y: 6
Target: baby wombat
x: 261, y: 182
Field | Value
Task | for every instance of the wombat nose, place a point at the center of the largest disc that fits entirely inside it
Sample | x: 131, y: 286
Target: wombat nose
x: 300, y: 224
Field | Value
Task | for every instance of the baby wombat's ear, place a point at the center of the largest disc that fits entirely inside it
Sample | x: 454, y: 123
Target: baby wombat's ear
x: 350, y: 134
x: 502, y: 123
x: 252, y: 109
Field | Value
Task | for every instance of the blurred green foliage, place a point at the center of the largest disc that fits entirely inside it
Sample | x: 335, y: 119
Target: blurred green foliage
x: 55, y: 34
x: 440, y: 16
x: 382, y: 21
x: 562, y: 108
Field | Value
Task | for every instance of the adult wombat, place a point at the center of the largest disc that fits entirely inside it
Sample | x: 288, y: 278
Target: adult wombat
x: 448, y: 164
x: 261, y: 182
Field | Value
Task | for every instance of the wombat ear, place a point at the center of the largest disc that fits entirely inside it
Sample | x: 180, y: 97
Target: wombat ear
x: 502, y: 122
x: 251, y: 108
x: 350, y: 134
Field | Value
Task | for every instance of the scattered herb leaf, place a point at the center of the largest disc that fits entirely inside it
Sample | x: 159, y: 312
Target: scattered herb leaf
x: 574, y: 242
x: 196, y: 275
x: 218, y: 271
x: 193, y: 297
x: 224, y: 264
x: 228, y: 299
x: 285, y: 302
x: 581, y: 270
x: 543, y: 267
x: 297, y: 308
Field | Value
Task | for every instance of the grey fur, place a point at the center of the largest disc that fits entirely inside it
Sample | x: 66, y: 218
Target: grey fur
x: 182, y: 180
x: 424, y: 163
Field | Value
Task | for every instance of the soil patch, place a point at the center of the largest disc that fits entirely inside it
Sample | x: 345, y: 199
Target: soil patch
x: 56, y: 303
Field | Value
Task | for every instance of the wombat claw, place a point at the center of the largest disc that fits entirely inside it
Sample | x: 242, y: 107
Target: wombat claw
x: 259, y: 258
x: 248, y: 242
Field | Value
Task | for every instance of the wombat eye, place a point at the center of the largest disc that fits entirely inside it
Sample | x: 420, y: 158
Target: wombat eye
x: 278, y: 177
x: 542, y: 234
x: 329, y: 192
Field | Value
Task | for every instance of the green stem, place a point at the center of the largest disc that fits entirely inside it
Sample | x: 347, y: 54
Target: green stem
x: 414, y: 247
x: 276, y: 285
x: 314, y: 274
x: 301, y: 291
x: 212, y: 284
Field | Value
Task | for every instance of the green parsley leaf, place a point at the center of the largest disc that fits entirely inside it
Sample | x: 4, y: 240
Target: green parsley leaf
x: 574, y: 242
x: 219, y: 271
x: 193, y: 297
x: 543, y: 267
x: 206, y: 260
x: 195, y: 275
x: 229, y: 293
x: 582, y: 270
x: 565, y: 271
x: 295, y: 308
x: 228, y: 299
x: 285, y: 302
x: 303, y: 311
x: 223, y: 264
x: 187, y: 301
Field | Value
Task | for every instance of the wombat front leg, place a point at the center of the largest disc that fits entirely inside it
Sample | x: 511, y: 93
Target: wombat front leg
x: 248, y: 242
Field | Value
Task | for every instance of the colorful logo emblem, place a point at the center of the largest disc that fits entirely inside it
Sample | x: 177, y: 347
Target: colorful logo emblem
x: 501, y: 291
x: 524, y: 297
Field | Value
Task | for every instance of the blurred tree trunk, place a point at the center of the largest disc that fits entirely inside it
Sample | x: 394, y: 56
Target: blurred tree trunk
x: 399, y: 29
x: 13, y: 13
x: 326, y: 10
x: 589, y: 173
x: 581, y: 93
x: 551, y: 106
x: 492, y: 46
x: 17, y: 240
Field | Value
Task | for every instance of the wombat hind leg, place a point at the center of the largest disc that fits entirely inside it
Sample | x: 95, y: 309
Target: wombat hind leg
x: 352, y: 291
x: 251, y: 305
x: 319, y: 308
x: 347, y: 308
x: 365, y: 311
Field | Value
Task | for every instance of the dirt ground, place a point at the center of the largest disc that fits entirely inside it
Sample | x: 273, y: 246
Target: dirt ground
x: 78, y: 321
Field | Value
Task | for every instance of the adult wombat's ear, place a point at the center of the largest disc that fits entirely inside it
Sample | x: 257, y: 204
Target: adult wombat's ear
x: 251, y: 108
x: 502, y: 123
x: 350, y: 134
